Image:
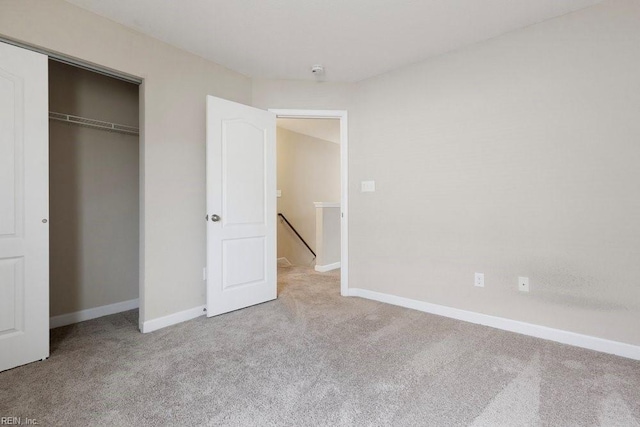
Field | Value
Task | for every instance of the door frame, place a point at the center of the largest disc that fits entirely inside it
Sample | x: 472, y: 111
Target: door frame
x: 344, y: 179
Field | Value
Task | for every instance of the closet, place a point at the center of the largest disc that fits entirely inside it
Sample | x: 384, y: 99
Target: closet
x: 93, y: 194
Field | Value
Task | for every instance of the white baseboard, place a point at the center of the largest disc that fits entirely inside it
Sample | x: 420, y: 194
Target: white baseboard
x: 92, y: 313
x: 172, y: 319
x: 558, y: 335
x: 327, y: 267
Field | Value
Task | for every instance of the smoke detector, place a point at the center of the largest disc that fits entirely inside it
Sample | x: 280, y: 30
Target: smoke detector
x: 317, y: 69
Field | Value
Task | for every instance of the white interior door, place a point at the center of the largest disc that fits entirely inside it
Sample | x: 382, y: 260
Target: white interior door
x: 241, y: 206
x: 24, y: 207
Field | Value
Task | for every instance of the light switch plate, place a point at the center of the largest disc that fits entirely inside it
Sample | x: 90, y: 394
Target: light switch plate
x: 278, y: 193
x: 368, y: 186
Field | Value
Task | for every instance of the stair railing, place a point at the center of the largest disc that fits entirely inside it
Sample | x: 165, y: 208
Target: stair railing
x: 297, y: 234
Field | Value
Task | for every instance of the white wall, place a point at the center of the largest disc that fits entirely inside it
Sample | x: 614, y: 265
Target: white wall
x: 93, y: 192
x: 308, y: 172
x: 328, y: 234
x: 302, y: 94
x: 516, y: 156
x: 173, y: 135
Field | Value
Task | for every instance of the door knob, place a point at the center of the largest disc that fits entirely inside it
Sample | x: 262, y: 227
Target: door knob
x: 215, y: 218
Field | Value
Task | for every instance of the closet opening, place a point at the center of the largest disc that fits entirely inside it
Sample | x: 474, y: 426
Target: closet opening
x: 94, y: 175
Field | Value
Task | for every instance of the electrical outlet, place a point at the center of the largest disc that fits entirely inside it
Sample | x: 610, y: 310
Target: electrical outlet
x: 479, y: 280
x: 523, y: 284
x: 367, y: 186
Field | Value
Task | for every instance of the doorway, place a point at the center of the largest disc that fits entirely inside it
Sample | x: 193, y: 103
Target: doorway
x: 313, y: 232
x: 93, y: 195
x: 241, y: 203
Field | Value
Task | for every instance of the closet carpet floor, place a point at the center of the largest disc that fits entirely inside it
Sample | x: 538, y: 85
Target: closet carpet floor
x: 312, y: 357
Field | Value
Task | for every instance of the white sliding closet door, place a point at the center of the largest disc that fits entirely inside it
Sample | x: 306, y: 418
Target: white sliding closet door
x: 24, y: 207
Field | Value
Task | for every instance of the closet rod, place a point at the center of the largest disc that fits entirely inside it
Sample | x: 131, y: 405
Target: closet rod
x: 97, y: 124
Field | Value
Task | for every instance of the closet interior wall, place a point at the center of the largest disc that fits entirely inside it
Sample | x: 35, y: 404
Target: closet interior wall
x: 94, y: 192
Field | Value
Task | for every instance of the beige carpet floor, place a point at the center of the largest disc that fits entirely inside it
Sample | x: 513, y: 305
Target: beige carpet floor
x: 314, y: 358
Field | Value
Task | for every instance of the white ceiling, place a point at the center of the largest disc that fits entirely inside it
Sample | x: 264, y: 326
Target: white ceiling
x: 353, y: 39
x: 327, y: 129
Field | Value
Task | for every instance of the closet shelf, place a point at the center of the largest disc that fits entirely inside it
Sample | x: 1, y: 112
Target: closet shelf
x: 92, y: 123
